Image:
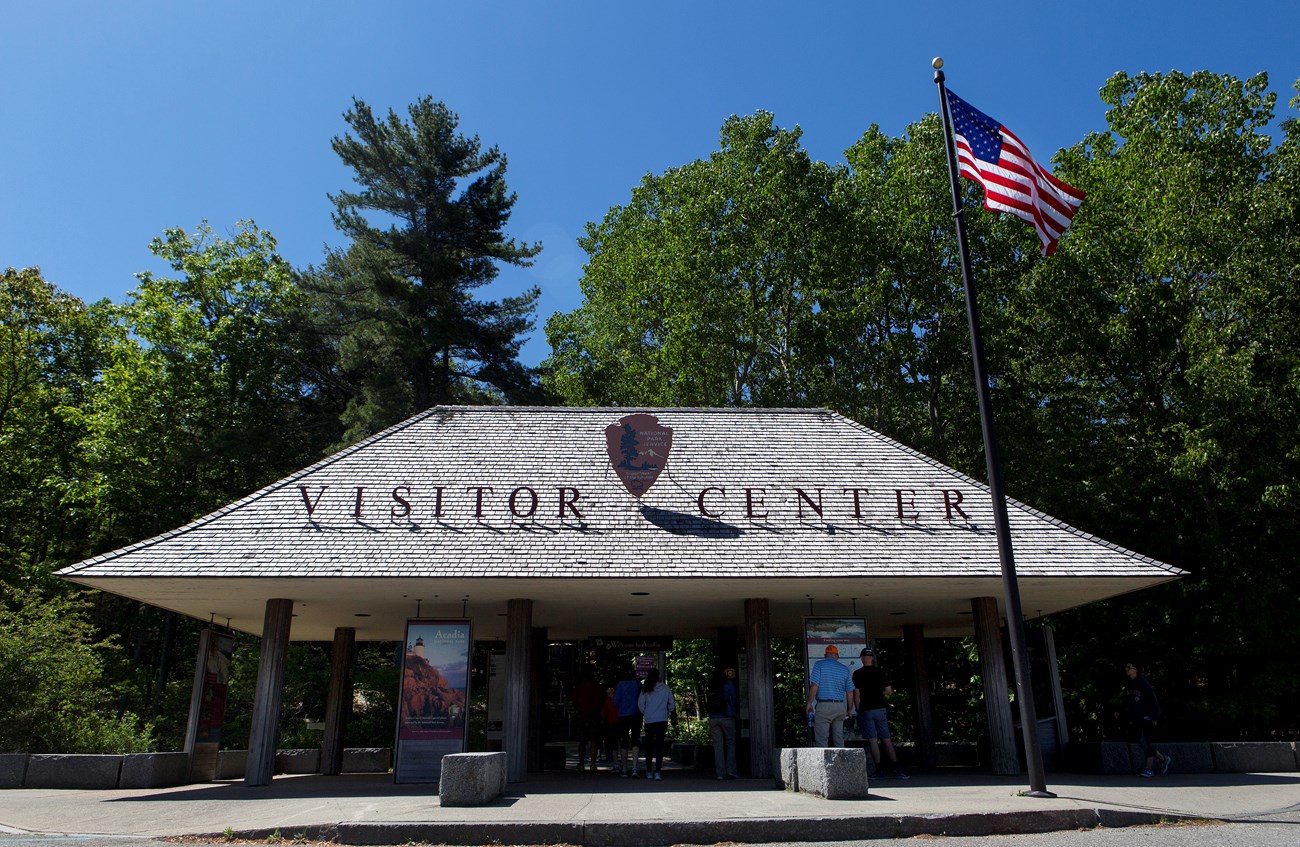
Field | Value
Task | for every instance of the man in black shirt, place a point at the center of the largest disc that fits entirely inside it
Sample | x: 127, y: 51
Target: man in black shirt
x: 869, y: 692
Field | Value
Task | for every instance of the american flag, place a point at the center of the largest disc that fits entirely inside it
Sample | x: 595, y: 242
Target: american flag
x: 988, y: 153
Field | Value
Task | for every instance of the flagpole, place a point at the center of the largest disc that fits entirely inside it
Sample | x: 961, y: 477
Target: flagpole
x: 1001, y: 524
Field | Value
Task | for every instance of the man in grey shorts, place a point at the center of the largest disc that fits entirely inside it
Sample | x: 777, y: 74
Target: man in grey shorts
x: 869, y: 692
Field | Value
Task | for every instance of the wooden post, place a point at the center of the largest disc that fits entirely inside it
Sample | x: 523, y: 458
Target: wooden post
x: 537, y: 700
x: 993, y: 670
x: 338, y: 700
x: 926, y: 755
x: 762, y: 700
x: 519, y: 625
x: 265, y: 727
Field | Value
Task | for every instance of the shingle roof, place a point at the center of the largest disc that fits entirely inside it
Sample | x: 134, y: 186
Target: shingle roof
x: 457, y: 469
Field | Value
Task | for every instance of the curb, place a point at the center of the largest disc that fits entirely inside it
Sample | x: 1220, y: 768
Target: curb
x: 739, y: 830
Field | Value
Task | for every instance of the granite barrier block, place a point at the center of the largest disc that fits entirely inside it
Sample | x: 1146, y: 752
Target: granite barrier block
x: 786, y: 771
x: 367, y: 760
x: 297, y: 761
x: 1254, y: 756
x: 836, y: 773
x: 1188, y: 756
x: 231, y: 764
x: 72, y: 770
x: 13, y: 768
x: 154, y: 770
x: 1113, y: 758
x: 471, y: 779
x: 1120, y: 757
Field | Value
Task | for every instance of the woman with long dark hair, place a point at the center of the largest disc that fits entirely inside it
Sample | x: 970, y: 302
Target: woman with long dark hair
x: 657, y: 704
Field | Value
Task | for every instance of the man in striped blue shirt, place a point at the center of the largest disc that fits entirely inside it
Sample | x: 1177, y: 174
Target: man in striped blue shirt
x: 830, y: 689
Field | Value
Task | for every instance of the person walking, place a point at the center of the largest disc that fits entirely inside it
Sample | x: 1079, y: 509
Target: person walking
x: 626, y: 695
x: 869, y: 692
x: 1141, y: 714
x: 723, y: 705
x: 830, y: 689
x: 657, y: 706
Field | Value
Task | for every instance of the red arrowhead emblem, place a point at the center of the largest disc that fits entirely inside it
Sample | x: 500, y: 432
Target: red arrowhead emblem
x: 638, y: 450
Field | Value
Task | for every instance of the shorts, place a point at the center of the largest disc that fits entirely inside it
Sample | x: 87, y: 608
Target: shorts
x: 629, y: 731
x: 873, y: 724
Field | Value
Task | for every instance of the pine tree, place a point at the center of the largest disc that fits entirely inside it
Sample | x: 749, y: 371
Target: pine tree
x: 427, y: 230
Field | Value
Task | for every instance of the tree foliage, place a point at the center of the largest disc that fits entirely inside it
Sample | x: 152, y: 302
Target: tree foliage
x: 427, y: 229
x: 1176, y: 384
x: 1145, y: 378
x: 53, y: 693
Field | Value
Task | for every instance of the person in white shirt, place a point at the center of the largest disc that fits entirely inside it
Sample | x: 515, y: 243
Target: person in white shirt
x: 657, y: 706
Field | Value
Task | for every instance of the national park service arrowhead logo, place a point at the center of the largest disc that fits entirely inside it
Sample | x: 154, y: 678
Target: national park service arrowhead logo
x: 638, y: 450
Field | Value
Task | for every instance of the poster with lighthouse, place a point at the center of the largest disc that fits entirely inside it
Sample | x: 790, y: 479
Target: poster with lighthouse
x: 434, y: 704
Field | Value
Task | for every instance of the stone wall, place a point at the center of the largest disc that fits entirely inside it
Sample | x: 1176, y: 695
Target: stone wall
x: 161, y: 770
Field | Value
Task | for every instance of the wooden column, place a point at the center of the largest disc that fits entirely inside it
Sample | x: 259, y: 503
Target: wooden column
x: 926, y: 754
x: 537, y: 700
x: 519, y: 626
x: 265, y: 727
x: 993, y: 670
x: 338, y: 700
x: 762, y: 702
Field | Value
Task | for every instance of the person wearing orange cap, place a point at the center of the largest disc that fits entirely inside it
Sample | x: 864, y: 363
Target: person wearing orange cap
x: 830, y: 693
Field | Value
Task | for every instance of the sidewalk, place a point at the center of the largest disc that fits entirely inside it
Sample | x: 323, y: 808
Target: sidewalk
x: 604, y: 809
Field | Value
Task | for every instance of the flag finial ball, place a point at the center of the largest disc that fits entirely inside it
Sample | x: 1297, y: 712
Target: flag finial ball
x: 937, y: 62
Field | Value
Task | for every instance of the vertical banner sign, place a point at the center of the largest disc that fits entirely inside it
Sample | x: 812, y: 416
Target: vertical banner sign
x: 208, y: 703
x: 849, y: 635
x: 496, y: 699
x: 433, y: 708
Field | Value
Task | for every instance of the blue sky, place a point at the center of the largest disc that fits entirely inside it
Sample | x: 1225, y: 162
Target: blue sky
x: 119, y: 119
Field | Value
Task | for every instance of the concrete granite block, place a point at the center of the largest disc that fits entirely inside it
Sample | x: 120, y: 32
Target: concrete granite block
x: 72, y: 770
x: 367, y: 760
x: 1188, y: 756
x: 1254, y: 756
x: 786, y: 771
x: 836, y: 773
x: 13, y: 768
x: 471, y: 779
x: 231, y: 764
x: 297, y: 761
x: 154, y: 770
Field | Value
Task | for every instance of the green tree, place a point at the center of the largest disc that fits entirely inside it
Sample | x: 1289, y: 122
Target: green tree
x: 427, y: 229
x: 222, y: 395
x: 697, y: 292
x: 52, y: 347
x: 52, y: 689
x: 1170, y: 399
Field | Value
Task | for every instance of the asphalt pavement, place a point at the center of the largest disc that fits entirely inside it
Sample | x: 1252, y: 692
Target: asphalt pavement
x: 605, y: 810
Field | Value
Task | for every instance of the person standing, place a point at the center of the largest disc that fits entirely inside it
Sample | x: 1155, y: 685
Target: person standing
x: 609, y: 728
x: 626, y: 694
x: 869, y: 692
x: 723, y: 705
x: 587, y: 699
x: 830, y: 689
x: 657, y: 705
x: 1141, y: 714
